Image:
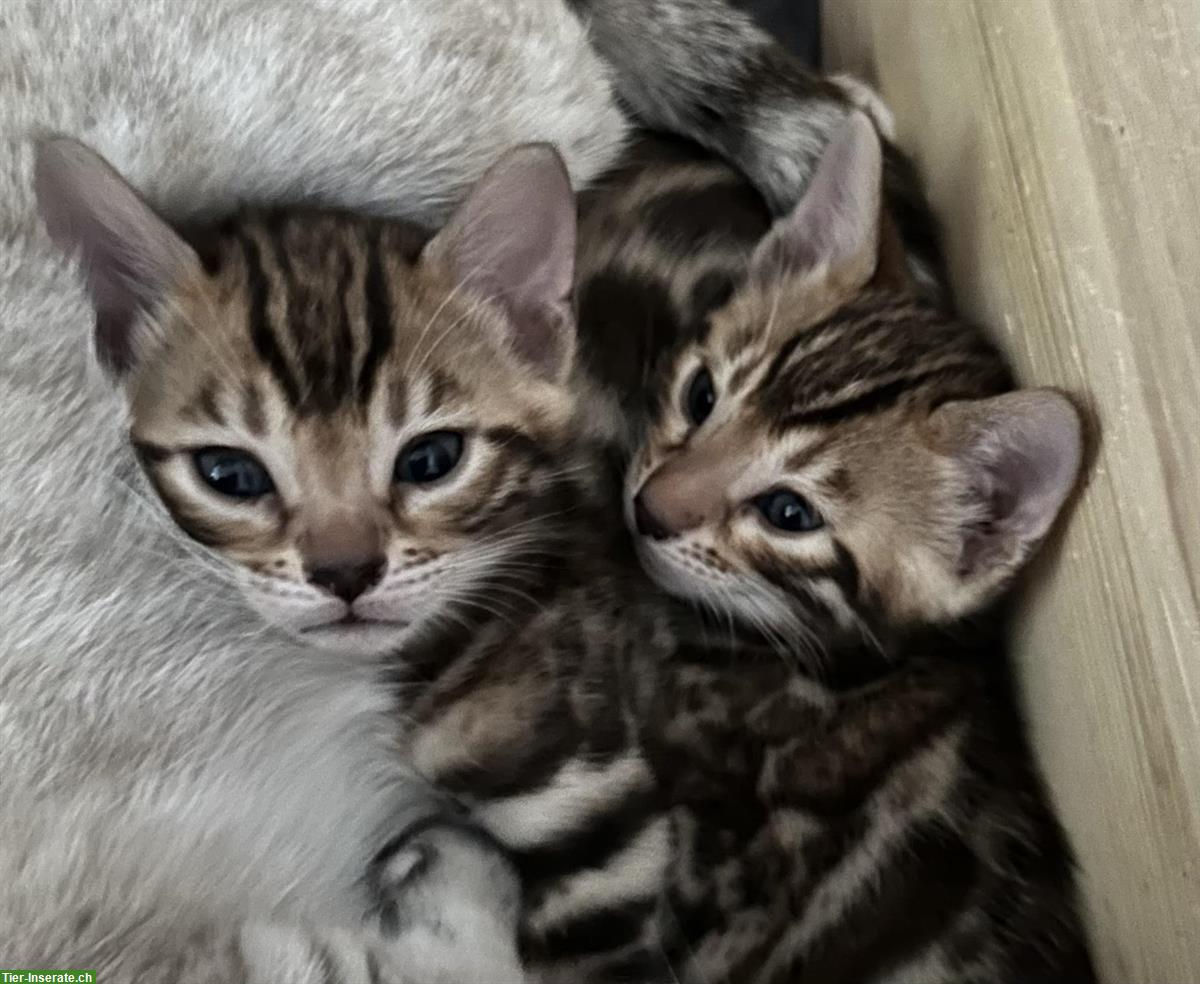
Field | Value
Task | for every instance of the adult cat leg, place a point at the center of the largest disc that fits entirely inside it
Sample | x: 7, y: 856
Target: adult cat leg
x: 447, y: 903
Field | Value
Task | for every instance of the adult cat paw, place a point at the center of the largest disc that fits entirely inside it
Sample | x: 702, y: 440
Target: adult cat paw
x: 449, y: 900
x: 864, y: 96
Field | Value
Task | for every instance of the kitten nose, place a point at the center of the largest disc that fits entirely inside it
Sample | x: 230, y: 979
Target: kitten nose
x: 647, y: 523
x: 347, y: 581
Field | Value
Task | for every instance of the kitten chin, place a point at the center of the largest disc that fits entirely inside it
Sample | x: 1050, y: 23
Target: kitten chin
x: 341, y: 634
x: 358, y: 637
x: 370, y: 424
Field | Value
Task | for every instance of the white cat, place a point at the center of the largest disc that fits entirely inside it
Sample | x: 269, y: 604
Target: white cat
x: 169, y: 767
x: 185, y: 795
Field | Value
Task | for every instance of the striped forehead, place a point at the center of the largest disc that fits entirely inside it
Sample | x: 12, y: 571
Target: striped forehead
x: 870, y: 355
x: 320, y: 295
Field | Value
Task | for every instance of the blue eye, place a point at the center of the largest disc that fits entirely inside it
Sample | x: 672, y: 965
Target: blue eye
x: 786, y: 510
x: 233, y: 473
x: 701, y: 397
x: 429, y: 457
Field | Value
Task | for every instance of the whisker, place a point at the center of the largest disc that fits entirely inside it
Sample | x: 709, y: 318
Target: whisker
x: 429, y: 324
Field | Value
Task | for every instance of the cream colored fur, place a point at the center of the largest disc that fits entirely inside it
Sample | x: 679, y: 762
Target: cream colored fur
x: 169, y: 768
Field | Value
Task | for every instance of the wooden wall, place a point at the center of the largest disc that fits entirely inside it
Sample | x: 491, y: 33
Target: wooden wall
x: 1061, y: 143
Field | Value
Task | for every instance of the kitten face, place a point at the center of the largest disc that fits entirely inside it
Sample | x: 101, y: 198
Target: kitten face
x: 833, y: 452
x: 796, y: 474
x: 373, y: 430
x: 331, y: 417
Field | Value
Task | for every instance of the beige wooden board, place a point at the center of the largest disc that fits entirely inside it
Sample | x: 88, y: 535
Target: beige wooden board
x: 1061, y: 143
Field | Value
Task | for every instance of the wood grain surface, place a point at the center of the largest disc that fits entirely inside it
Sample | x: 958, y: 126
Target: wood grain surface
x: 1061, y: 143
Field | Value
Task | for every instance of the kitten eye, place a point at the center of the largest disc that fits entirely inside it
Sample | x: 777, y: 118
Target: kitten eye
x: 429, y: 457
x: 701, y: 397
x: 233, y: 473
x: 786, y: 510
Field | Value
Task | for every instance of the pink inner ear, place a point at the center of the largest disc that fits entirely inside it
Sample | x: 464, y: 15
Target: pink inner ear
x: 835, y: 226
x: 1025, y: 450
x: 130, y: 255
x: 513, y: 240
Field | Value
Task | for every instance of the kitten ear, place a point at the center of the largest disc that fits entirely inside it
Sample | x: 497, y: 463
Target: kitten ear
x: 1020, y: 455
x: 513, y: 240
x: 834, y: 229
x: 131, y: 257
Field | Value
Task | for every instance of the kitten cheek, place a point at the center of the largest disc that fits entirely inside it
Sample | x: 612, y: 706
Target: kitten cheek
x: 408, y: 607
x: 673, y: 568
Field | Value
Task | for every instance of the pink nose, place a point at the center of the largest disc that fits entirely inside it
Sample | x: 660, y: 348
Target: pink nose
x: 676, y: 499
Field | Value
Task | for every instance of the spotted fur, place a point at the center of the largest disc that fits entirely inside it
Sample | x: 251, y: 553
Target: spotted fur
x: 853, y: 798
x: 832, y: 782
x: 147, y: 701
x: 770, y: 799
x: 705, y: 71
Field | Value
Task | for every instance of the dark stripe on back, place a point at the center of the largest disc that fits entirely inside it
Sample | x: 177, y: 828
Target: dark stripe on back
x: 522, y: 774
x: 261, y: 332
x: 828, y: 776
x: 914, y: 895
x: 596, y: 932
x: 640, y: 965
x: 590, y: 846
x: 710, y: 291
x: 553, y: 740
x: 725, y: 211
x: 625, y: 321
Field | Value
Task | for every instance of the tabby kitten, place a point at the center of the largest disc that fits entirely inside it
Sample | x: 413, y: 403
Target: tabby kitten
x: 844, y: 469
x: 170, y: 98
x: 373, y: 431
x: 681, y: 803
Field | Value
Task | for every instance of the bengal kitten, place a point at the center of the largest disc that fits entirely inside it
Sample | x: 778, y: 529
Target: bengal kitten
x: 379, y: 432
x: 827, y: 460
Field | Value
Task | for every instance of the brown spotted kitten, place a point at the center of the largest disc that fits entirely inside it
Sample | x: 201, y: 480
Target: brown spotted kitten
x: 830, y: 463
x: 378, y: 432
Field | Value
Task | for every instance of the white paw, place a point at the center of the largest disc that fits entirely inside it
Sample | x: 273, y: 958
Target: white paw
x: 869, y: 101
x: 276, y: 954
x: 447, y: 904
x: 449, y: 901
